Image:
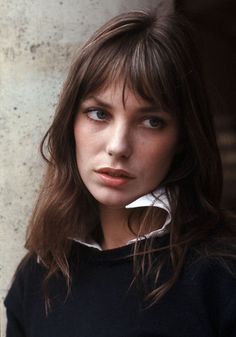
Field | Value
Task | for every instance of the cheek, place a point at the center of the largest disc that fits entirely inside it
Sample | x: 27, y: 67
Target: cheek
x: 86, y: 145
x: 80, y: 134
x: 158, y: 157
x: 80, y: 143
x: 162, y: 150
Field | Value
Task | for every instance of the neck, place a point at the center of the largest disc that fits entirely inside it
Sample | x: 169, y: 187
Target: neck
x: 114, y: 223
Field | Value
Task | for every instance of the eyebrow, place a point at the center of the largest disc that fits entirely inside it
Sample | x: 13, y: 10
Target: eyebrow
x: 142, y: 109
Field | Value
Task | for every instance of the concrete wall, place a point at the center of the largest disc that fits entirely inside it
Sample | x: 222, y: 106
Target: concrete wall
x: 37, y: 39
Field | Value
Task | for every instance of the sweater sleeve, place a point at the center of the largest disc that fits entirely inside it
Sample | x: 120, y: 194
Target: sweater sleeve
x: 14, y: 310
x: 230, y: 318
x: 223, y: 299
x: 14, y: 325
x: 228, y: 307
x: 15, y: 301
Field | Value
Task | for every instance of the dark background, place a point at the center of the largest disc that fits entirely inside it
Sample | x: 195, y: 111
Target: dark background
x: 215, y: 25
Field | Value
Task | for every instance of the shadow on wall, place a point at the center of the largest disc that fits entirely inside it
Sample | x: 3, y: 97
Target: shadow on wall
x: 215, y: 22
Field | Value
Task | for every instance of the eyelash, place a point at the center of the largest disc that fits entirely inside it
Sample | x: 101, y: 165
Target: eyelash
x: 90, y: 113
x: 160, y: 121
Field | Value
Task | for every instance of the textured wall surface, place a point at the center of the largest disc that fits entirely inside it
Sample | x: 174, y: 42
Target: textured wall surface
x: 37, y: 41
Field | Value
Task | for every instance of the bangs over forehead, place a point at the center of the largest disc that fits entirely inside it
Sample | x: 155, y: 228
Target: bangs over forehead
x: 140, y: 59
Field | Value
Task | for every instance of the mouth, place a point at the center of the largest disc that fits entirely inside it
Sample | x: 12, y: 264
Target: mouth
x: 113, y: 177
x: 115, y: 173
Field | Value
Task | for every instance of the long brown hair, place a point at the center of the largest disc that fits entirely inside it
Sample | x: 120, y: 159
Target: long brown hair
x: 157, y: 59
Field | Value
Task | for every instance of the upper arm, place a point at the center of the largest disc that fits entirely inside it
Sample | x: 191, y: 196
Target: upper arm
x: 17, y: 299
x: 15, y: 327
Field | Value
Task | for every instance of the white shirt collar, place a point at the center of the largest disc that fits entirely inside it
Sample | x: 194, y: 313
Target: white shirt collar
x: 159, y: 199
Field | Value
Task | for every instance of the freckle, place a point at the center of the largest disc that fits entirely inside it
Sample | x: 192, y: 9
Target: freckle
x: 15, y: 108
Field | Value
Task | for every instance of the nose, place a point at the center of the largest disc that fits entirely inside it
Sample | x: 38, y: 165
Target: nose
x: 119, y: 143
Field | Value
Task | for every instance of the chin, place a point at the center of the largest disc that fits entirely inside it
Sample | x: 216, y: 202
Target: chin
x: 115, y: 202
x: 115, y: 199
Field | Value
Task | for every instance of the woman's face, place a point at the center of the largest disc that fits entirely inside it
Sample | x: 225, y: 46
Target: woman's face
x: 124, y: 149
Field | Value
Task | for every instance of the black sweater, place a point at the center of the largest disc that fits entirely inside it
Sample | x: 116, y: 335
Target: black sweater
x: 102, y: 303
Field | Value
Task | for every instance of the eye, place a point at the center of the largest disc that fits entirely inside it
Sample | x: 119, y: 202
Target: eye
x: 97, y: 114
x: 154, y: 122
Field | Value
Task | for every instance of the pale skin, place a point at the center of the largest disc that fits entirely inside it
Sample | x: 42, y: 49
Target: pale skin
x: 133, y: 136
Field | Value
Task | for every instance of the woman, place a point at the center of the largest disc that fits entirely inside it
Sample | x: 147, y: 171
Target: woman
x: 127, y: 238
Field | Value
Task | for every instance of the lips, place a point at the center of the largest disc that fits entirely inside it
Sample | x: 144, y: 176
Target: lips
x: 113, y: 177
x: 115, y: 172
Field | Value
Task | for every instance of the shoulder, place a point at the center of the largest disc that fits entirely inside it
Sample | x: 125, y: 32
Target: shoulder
x: 213, y: 278
x: 28, y: 276
x: 211, y: 265
x: 207, y: 288
x: 31, y: 267
x: 24, y: 295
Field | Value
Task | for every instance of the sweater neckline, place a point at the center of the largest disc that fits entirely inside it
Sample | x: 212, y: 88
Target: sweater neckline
x: 116, y: 254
